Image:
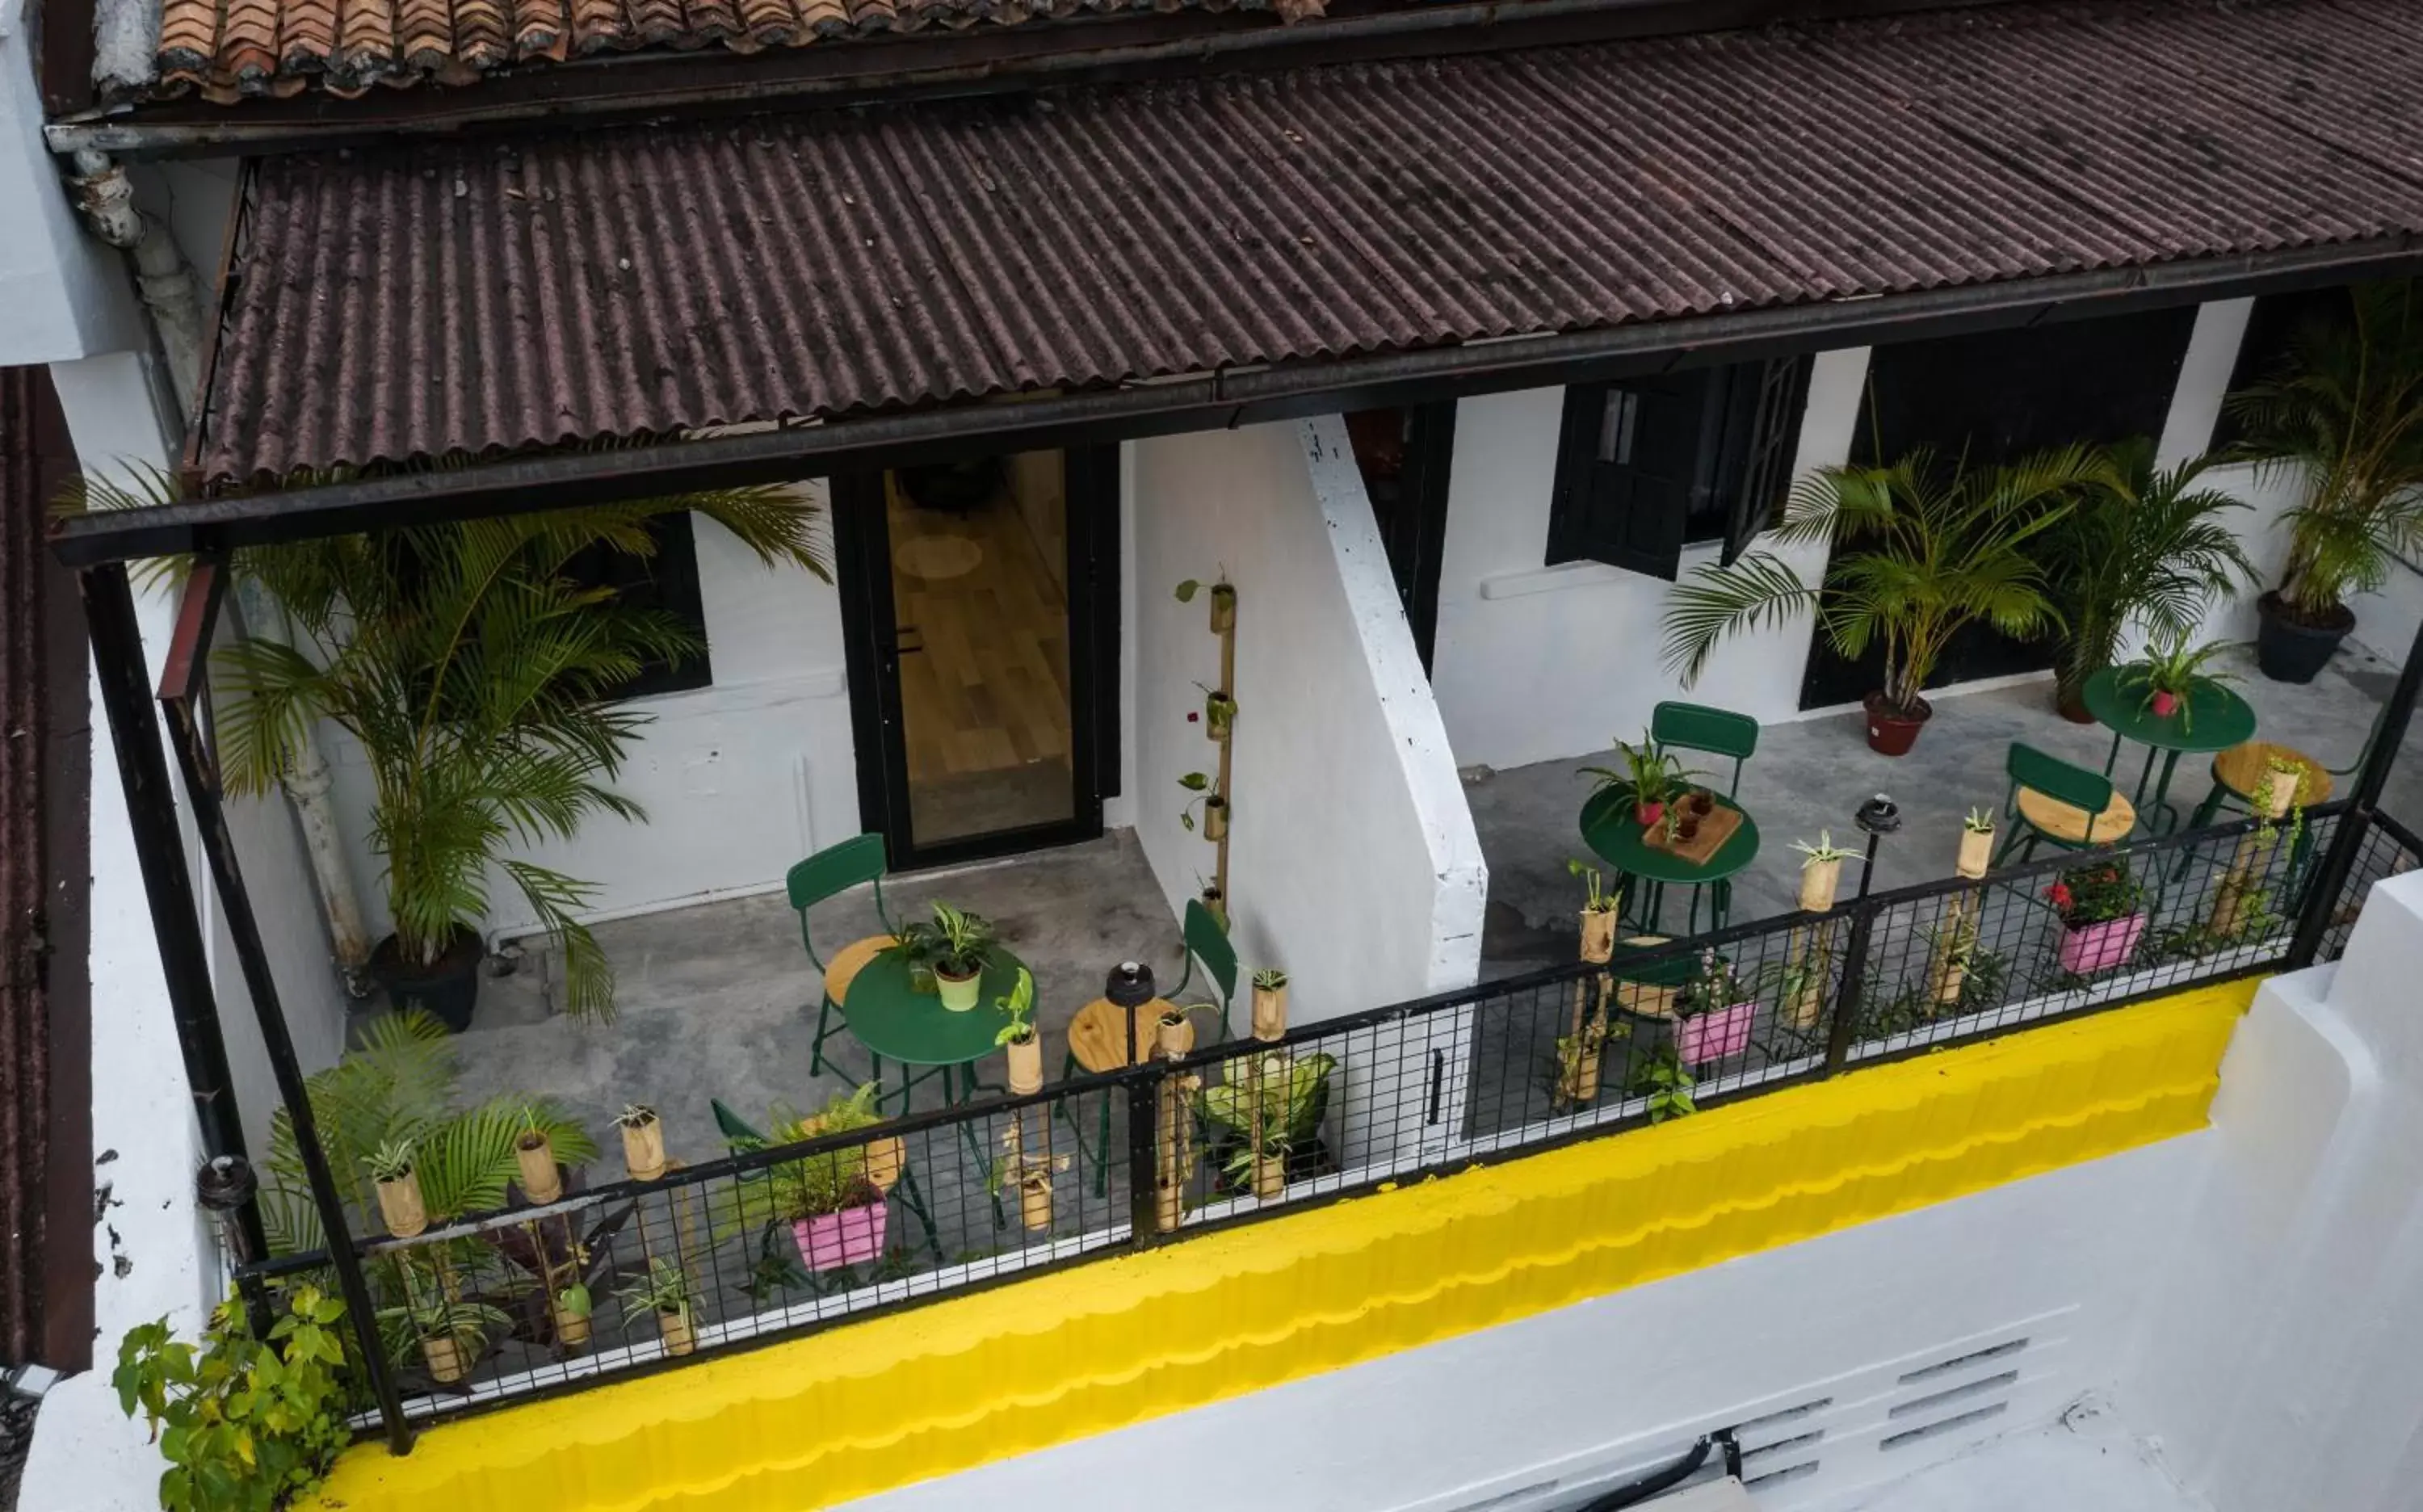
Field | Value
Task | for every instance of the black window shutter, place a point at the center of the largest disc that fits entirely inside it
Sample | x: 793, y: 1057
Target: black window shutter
x: 1763, y: 436
x: 1628, y: 460
x: 667, y: 584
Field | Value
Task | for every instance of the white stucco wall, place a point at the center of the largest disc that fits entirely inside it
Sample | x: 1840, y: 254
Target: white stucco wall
x: 1352, y: 861
x: 1534, y: 662
x: 2281, y: 1359
x: 741, y: 779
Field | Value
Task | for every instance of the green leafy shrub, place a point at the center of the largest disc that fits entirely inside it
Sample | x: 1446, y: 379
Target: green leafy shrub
x: 245, y: 1427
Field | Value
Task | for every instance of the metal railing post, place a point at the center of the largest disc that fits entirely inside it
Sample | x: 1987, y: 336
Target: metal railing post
x: 1144, y: 1153
x: 2347, y: 843
x: 1854, y: 982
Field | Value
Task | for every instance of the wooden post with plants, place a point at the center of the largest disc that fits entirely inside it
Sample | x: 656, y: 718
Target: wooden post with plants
x: 1267, y: 1070
x: 1023, y: 1047
x: 1220, y: 723
x: 1809, y: 957
x: 1956, y: 937
x: 1174, y: 1163
x: 2274, y: 797
x: 1579, y: 1053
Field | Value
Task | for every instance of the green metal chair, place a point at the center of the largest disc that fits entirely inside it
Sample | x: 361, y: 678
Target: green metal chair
x: 831, y: 871
x: 2068, y: 807
x: 1208, y: 943
x: 1698, y: 727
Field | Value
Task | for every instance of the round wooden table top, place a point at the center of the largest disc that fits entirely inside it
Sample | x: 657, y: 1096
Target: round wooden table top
x: 1100, y: 1044
x: 2241, y: 770
x: 2064, y: 822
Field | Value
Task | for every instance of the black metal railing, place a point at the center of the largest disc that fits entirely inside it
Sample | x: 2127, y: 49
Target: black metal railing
x: 630, y: 1274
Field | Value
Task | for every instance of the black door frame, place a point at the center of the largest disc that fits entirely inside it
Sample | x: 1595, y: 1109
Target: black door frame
x: 871, y: 651
x: 1415, y: 537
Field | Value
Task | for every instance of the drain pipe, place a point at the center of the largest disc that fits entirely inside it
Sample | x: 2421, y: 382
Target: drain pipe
x: 173, y: 295
x: 165, y: 280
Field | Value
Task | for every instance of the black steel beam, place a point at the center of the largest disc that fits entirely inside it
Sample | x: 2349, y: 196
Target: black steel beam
x: 181, y: 700
x: 116, y: 641
x: 2347, y: 842
x: 1207, y: 402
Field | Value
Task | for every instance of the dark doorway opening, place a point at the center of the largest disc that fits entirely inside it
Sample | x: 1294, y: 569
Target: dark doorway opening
x: 1405, y: 455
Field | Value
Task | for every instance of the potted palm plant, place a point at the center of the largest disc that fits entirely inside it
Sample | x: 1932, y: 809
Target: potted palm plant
x: 1920, y: 551
x: 2148, y: 546
x: 668, y: 1292
x: 477, y: 673
x: 954, y: 947
x: 2341, y: 418
x: 2103, y: 910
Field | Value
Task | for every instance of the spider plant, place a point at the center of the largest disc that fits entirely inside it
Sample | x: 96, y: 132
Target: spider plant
x: 1921, y: 551
x: 2164, y: 676
x: 475, y: 670
x: 2342, y: 418
x: 2146, y: 546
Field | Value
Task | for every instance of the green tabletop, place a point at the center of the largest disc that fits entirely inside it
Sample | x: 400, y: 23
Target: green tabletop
x: 897, y: 1022
x: 2211, y: 718
x: 1609, y: 829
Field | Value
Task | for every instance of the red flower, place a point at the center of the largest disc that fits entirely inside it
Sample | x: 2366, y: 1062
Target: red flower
x: 2059, y: 893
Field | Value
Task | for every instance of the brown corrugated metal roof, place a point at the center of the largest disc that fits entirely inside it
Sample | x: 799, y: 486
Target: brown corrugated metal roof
x: 485, y: 298
x: 46, y: 1150
x: 228, y: 50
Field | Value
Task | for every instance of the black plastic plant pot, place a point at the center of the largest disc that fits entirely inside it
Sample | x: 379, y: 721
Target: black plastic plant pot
x: 448, y: 990
x: 2290, y: 650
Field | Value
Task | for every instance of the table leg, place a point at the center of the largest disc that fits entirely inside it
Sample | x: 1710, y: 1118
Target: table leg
x: 2112, y: 757
x: 2144, y: 773
x: 2162, y: 795
x: 876, y: 1077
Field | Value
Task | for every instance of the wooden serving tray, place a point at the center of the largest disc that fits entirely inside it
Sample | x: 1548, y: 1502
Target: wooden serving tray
x: 1717, y: 826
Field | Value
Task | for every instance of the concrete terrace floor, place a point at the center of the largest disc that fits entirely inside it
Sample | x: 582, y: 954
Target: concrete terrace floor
x: 1812, y: 774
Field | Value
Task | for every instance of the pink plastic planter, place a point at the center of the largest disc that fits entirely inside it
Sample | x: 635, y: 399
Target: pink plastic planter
x: 842, y: 1238
x: 2102, y: 946
x: 1714, y: 1036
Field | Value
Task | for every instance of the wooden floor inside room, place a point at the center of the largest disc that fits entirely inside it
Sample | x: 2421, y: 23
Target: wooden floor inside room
x: 984, y: 665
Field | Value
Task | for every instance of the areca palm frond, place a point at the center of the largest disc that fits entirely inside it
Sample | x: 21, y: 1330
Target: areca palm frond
x: 2343, y: 418
x: 1920, y: 550
x: 2148, y: 546
x: 475, y: 670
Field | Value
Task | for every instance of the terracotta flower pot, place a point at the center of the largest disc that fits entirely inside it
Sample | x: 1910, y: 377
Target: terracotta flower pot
x: 445, y: 1359
x: 535, y: 1155
x: 848, y: 1237
x: 958, y: 993
x: 1819, y: 881
x: 1891, y: 732
x: 1025, y: 1064
x: 2166, y: 703
x: 1649, y: 813
x: 1270, y: 1013
x: 1976, y: 853
x: 643, y: 1150
x: 675, y: 1330
x: 1716, y: 1035
x: 2091, y: 947
x: 400, y: 1208
x: 1598, y: 936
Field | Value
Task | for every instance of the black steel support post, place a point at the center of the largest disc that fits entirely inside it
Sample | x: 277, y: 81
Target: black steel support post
x: 1855, y: 983
x: 1144, y: 1153
x: 2347, y: 842
x: 178, y: 697
x: 160, y: 852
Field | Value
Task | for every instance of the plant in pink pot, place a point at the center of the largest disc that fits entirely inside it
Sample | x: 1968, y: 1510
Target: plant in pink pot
x: 1713, y: 1013
x: 833, y: 1200
x: 2103, y: 909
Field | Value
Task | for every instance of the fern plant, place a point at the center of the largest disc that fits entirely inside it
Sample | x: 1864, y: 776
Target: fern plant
x: 475, y: 670
x: 2342, y: 418
x: 1920, y: 551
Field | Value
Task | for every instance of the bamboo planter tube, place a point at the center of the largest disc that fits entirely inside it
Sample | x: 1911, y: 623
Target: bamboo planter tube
x: 1819, y: 881
x: 1270, y: 1013
x: 541, y: 1182
x: 1174, y: 1153
x: 444, y: 1357
x: 1025, y: 1064
x: 2273, y: 797
x: 1035, y: 1203
x: 1223, y: 608
x: 571, y: 1329
x: 1215, y: 819
x: 675, y: 1330
x: 1976, y: 851
x: 1598, y: 936
x: 1955, y: 935
x: 643, y: 1150
x: 400, y: 1205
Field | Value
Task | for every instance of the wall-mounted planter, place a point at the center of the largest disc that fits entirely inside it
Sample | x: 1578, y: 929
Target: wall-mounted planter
x: 536, y: 1154
x: 1215, y: 818
x: 1819, y: 881
x: 1224, y: 608
x: 2093, y: 947
x: 400, y: 1205
x: 1035, y: 1203
x: 571, y: 1323
x: 643, y: 1150
x: 1270, y: 1013
x: 1219, y: 715
x: 1025, y: 1064
x: 1217, y: 901
x: 848, y: 1237
x: 1976, y: 851
x: 1712, y: 1036
x: 445, y: 1359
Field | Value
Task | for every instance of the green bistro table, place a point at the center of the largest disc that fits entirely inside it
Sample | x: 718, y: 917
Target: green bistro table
x: 1612, y: 832
x: 895, y: 1021
x: 2211, y: 718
